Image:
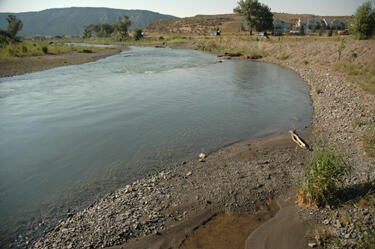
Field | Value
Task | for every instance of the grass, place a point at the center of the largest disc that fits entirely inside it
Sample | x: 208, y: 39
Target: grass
x: 326, y: 172
x: 283, y: 57
x: 361, y: 74
x: 29, y: 48
x: 368, y: 142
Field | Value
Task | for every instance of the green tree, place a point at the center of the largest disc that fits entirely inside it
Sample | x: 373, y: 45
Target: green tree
x: 121, y: 28
x: 88, y: 30
x: 258, y: 16
x: 14, y: 26
x: 363, y: 22
x: 138, y: 34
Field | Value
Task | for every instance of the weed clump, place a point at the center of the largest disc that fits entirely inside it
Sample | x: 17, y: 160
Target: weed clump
x: 368, y: 141
x: 326, y: 173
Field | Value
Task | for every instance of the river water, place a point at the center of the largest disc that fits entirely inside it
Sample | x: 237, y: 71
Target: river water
x: 70, y: 134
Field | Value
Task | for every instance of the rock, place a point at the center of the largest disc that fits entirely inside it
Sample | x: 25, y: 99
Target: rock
x: 202, y: 156
x: 189, y: 173
x: 312, y: 244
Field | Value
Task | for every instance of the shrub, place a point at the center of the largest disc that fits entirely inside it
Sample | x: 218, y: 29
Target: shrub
x: 330, y: 32
x: 24, y: 49
x: 138, y: 34
x: 363, y: 22
x: 341, y: 47
x: 326, y: 172
x: 161, y: 38
x: 319, y: 90
x: 368, y: 141
x: 45, y: 49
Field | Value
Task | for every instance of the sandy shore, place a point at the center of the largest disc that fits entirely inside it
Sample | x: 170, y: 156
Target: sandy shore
x: 18, y: 66
x: 240, y: 178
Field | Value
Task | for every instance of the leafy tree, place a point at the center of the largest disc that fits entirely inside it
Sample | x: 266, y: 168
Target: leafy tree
x: 257, y: 15
x: 88, y: 30
x: 14, y: 26
x: 121, y: 28
x: 10, y: 35
x: 104, y: 30
x: 363, y: 22
x: 138, y: 34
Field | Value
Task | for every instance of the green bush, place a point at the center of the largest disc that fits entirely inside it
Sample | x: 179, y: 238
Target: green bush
x: 24, y: 49
x: 45, y: 49
x: 363, y: 22
x: 326, y: 172
x: 138, y: 34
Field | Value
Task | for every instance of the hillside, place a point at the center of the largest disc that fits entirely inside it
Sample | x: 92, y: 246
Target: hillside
x: 70, y: 21
x: 228, y: 23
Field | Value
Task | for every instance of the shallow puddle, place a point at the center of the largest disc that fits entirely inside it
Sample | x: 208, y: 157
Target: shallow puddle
x: 229, y: 230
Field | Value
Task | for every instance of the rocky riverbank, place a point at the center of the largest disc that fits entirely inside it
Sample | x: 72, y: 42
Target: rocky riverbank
x: 237, y: 177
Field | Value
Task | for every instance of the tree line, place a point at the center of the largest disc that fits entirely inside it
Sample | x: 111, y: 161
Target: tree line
x: 119, y: 31
x: 259, y: 17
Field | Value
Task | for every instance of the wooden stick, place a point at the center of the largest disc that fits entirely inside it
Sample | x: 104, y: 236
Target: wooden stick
x: 298, y: 140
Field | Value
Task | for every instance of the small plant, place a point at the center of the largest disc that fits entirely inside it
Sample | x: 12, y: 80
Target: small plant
x: 326, y: 172
x: 368, y: 141
x: 45, y: 49
x: 357, y: 122
x: 318, y: 90
x: 24, y: 49
x: 330, y: 32
x: 305, y: 62
x: 161, y: 38
x: 301, y: 30
x: 283, y: 57
x: 341, y: 48
x: 354, y: 55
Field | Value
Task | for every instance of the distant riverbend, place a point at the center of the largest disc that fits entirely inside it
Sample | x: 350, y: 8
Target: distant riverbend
x: 71, y: 134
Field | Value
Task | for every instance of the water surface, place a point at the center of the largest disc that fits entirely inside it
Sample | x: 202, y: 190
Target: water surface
x: 70, y: 133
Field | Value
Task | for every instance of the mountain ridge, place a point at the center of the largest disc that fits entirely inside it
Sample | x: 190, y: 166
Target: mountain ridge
x: 70, y: 21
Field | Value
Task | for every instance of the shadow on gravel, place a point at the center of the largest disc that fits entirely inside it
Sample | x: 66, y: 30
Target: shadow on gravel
x: 358, y: 194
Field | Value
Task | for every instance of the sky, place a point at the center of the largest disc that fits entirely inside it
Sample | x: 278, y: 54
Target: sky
x: 185, y: 8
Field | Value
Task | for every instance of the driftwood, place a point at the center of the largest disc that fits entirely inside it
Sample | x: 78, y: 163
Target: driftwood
x: 299, y: 141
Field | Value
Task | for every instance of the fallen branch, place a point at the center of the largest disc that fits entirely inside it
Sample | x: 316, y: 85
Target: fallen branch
x: 299, y: 141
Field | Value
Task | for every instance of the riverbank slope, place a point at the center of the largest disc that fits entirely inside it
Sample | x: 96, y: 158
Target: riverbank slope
x: 240, y: 176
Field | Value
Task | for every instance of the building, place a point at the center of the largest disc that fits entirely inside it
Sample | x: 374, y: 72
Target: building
x: 280, y: 26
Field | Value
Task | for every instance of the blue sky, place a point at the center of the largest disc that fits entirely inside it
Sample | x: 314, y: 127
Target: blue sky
x: 183, y: 8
